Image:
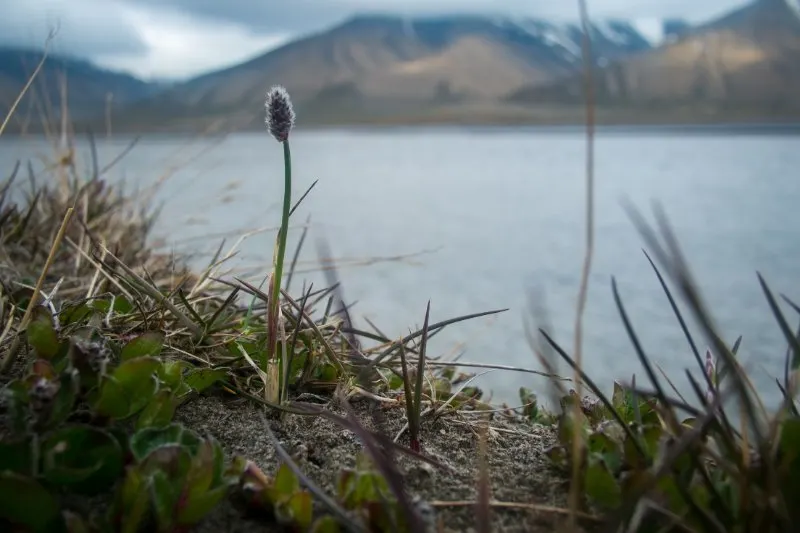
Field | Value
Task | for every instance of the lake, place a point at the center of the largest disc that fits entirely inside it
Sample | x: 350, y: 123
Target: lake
x: 481, y: 219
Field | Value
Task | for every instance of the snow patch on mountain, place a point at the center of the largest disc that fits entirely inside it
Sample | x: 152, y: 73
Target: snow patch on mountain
x: 651, y: 29
x: 611, y: 32
x: 794, y: 5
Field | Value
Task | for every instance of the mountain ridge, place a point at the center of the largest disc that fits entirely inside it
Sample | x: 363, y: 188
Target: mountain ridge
x: 473, y: 69
x: 384, y: 65
x: 748, y: 59
x: 87, y: 85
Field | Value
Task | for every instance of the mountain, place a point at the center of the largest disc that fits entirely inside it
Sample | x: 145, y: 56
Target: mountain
x: 744, y: 64
x: 87, y: 86
x: 382, y: 66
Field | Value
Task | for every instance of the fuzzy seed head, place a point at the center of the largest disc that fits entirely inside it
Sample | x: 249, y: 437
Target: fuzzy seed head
x: 280, y: 113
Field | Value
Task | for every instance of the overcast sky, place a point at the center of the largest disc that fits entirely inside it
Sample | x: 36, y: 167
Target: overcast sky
x: 181, y: 38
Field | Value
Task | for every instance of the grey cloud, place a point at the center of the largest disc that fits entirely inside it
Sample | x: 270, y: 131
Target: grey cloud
x: 306, y: 15
x: 84, y: 27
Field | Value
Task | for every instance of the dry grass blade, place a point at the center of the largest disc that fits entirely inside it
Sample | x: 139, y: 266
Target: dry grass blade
x: 583, y: 292
x: 432, y: 328
x: 141, y: 284
x: 13, y: 350
x: 482, y: 509
x: 29, y: 83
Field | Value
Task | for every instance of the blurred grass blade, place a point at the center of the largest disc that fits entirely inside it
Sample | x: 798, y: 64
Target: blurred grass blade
x: 415, y: 445
x: 784, y: 325
x: 672, y: 421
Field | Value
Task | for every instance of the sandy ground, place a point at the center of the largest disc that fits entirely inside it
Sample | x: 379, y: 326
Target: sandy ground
x: 519, y: 471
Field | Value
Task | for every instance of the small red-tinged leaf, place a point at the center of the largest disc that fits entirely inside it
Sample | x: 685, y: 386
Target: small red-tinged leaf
x: 41, y: 368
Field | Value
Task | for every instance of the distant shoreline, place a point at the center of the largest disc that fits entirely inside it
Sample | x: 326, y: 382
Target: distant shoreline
x: 732, y: 127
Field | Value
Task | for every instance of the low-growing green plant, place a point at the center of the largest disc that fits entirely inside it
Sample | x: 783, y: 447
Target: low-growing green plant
x: 364, y: 491
x: 91, y: 415
x: 651, y: 462
x: 175, y: 475
x: 284, y: 500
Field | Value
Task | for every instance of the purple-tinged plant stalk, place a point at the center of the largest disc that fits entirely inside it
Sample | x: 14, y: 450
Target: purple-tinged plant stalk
x: 280, y: 121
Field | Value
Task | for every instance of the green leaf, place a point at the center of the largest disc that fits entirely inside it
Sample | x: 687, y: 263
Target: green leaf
x: 24, y: 502
x: 602, y: 446
x: 146, y: 345
x: 42, y: 335
x: 121, y: 305
x: 164, y: 498
x: 88, y: 460
x: 325, y: 524
x: 147, y: 440
x: 601, y: 487
x: 75, y: 314
x: 203, y: 378
x: 326, y: 372
x: 789, y: 467
x: 18, y: 406
x: 301, y: 509
x: 285, y: 484
x: 64, y: 402
x: 129, y: 389
x: 201, y: 471
x: 558, y: 456
x: 623, y: 402
x: 19, y: 456
x: 395, y: 382
x: 171, y: 373
x: 132, y: 501
x: 345, y: 484
x: 197, y: 507
x: 530, y: 404
x: 159, y: 412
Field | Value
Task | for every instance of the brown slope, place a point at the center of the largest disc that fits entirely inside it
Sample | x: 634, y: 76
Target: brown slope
x: 748, y: 60
x: 370, y: 65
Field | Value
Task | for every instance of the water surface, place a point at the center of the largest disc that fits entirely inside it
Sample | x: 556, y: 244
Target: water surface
x: 501, y: 214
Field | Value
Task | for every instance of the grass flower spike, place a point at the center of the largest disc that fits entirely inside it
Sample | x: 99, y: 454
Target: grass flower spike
x: 280, y: 113
x: 280, y: 120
